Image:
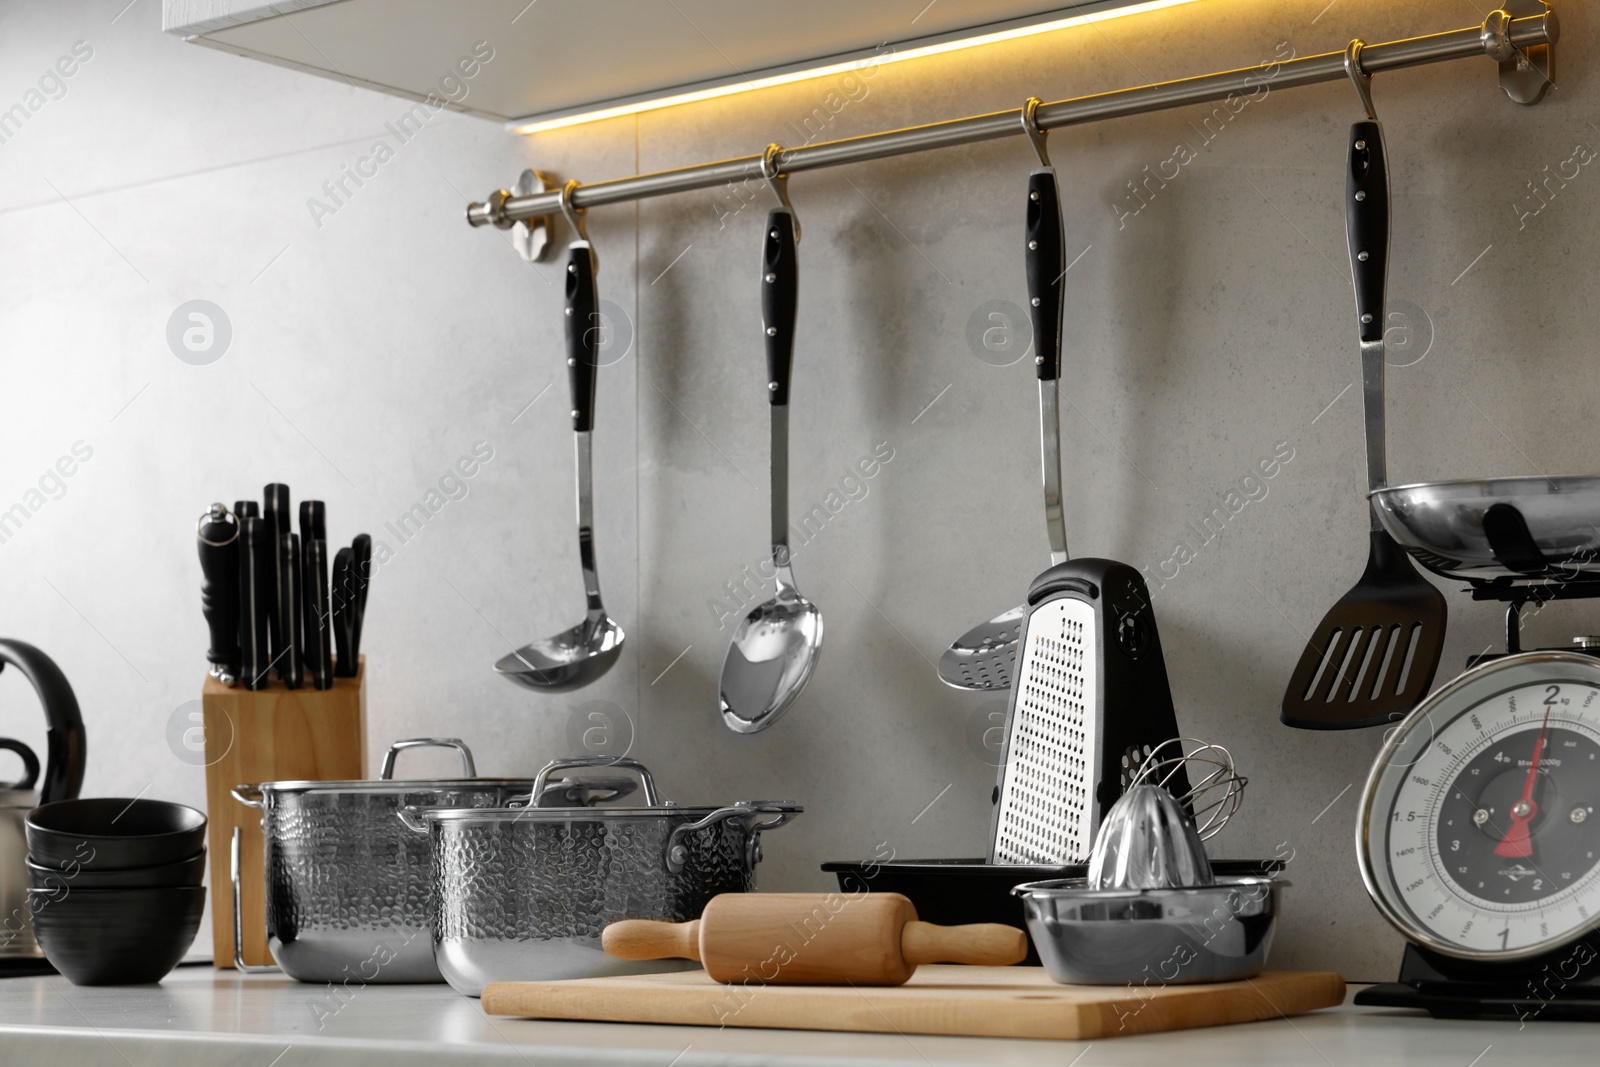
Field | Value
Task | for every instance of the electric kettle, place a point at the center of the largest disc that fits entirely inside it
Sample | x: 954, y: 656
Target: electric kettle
x: 63, y: 776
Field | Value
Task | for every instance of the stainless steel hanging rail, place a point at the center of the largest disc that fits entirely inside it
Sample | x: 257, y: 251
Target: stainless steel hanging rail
x: 1500, y: 37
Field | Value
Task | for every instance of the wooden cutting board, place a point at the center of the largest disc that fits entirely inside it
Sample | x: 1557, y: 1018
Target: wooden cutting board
x: 939, y: 999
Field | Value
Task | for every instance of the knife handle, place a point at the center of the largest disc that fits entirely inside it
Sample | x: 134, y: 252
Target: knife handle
x: 246, y: 509
x: 275, y: 513
x: 1045, y: 256
x: 780, y: 293
x: 275, y: 507
x: 583, y: 334
x: 290, y: 582
x: 318, y: 626
x: 360, y: 579
x: 313, y: 522
x: 218, y: 538
x: 253, y: 598
x: 344, y: 665
x: 1367, y: 225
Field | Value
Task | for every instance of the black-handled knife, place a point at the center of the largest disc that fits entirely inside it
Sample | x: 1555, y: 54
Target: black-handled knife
x: 246, y: 509
x: 360, y: 578
x: 290, y: 584
x: 313, y: 522
x: 218, y: 536
x: 275, y: 513
x: 254, y: 595
x: 319, y: 624
x: 343, y: 608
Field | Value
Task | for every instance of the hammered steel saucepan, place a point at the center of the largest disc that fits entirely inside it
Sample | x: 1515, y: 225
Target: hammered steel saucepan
x: 523, y: 892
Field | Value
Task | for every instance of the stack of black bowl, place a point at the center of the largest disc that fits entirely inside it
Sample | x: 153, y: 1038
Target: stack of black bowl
x: 116, y: 896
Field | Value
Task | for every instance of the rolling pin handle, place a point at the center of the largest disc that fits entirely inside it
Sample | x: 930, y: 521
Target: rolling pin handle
x: 984, y: 944
x: 646, y: 939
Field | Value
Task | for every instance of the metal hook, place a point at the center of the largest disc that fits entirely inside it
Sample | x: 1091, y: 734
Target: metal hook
x: 575, y: 217
x: 1030, y: 126
x: 778, y: 183
x: 1359, y: 76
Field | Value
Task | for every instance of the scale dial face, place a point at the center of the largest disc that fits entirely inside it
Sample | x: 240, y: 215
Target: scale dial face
x: 1479, y: 833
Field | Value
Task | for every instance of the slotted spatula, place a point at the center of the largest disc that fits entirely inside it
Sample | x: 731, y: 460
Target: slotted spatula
x: 1373, y: 656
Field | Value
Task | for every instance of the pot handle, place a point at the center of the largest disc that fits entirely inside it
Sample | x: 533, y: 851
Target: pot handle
x: 413, y: 818
x: 677, y: 852
x: 469, y: 769
x: 250, y: 796
x: 651, y: 797
x: 235, y: 865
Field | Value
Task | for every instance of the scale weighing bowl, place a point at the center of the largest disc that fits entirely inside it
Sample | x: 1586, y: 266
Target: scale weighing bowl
x: 1532, y: 528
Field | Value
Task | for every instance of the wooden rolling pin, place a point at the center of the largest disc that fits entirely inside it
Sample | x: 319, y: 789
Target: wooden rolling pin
x: 813, y: 939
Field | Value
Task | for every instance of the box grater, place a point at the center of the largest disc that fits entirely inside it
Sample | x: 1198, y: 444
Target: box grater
x: 1089, y: 701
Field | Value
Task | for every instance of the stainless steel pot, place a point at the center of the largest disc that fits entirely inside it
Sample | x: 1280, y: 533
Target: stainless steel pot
x: 348, y: 892
x: 523, y: 892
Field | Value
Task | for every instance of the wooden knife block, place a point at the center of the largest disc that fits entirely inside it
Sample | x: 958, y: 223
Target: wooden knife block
x: 269, y: 735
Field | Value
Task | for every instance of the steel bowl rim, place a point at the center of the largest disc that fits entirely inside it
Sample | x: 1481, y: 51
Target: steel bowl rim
x: 1462, y: 483
x: 1078, y: 888
x: 525, y: 814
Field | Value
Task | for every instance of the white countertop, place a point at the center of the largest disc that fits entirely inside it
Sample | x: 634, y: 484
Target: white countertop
x: 202, y: 1016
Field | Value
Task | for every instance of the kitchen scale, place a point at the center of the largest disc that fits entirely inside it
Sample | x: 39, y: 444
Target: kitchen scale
x: 1479, y: 834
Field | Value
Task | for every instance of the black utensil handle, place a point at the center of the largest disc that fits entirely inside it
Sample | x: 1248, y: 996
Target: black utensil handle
x: 290, y: 582
x: 313, y: 522
x: 583, y: 333
x: 219, y: 590
x: 254, y: 595
x: 318, y: 626
x: 1047, y: 262
x: 1367, y: 223
x: 780, y: 296
x: 246, y: 509
x: 343, y: 603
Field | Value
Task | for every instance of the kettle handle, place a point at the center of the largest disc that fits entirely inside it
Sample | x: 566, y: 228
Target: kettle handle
x: 30, y: 763
x: 66, y: 747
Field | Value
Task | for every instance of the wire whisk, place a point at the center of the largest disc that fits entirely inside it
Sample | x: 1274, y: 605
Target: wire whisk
x: 1217, y: 789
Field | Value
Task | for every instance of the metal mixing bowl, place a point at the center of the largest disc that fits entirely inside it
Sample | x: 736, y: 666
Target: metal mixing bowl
x: 1152, y: 937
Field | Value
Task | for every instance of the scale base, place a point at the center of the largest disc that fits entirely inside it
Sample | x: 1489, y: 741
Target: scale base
x: 1561, y: 985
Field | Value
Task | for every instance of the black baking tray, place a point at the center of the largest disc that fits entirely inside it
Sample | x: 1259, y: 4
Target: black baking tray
x: 951, y: 892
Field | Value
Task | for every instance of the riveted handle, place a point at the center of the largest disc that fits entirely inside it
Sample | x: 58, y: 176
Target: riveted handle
x: 1367, y: 223
x: 677, y: 851
x: 646, y: 939
x: 780, y: 290
x: 1045, y: 255
x: 250, y: 796
x: 583, y: 334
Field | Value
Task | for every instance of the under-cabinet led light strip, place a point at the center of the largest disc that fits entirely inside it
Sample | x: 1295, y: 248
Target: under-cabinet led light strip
x: 895, y: 56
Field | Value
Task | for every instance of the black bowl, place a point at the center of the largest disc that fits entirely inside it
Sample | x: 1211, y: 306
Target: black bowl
x: 116, y: 936
x: 185, y: 872
x: 107, y: 833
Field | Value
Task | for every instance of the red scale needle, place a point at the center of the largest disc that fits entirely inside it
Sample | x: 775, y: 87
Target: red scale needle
x: 1516, y: 844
